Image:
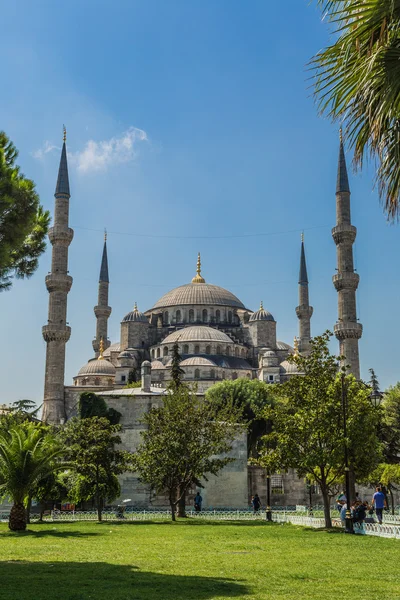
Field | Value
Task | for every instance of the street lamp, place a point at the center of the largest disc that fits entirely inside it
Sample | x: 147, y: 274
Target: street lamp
x: 268, y: 513
x: 349, y: 522
x: 376, y: 398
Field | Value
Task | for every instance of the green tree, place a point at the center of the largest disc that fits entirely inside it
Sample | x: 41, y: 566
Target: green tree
x: 91, y: 447
x: 29, y: 453
x: 177, y: 372
x: 357, y: 82
x: 186, y: 439
x: 91, y: 405
x: 250, y: 397
x: 23, y: 222
x: 308, y: 423
x: 390, y: 424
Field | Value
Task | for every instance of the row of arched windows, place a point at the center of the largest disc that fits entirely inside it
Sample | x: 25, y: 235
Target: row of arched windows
x: 227, y: 351
x: 204, y: 316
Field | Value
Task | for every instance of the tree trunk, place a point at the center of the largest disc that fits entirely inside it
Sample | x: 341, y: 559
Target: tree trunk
x: 99, y: 509
x: 182, y: 504
x: 28, y: 510
x: 327, y: 507
x: 17, y: 518
x: 391, y: 499
x: 172, y: 505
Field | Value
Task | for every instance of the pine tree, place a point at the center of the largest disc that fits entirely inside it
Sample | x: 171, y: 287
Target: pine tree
x: 176, y: 371
x: 23, y: 222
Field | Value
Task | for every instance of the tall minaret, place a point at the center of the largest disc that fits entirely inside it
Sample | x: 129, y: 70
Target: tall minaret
x: 102, y: 310
x: 347, y: 329
x: 57, y: 333
x: 304, y: 311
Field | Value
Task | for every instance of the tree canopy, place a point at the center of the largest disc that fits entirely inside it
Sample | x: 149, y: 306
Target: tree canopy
x: 357, y: 82
x: 23, y: 222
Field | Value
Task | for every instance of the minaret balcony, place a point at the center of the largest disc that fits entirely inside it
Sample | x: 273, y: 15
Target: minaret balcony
x: 61, y: 235
x: 347, y: 280
x: 102, y: 311
x: 57, y: 282
x: 56, y: 333
x: 348, y: 329
x: 344, y: 233
x: 304, y: 311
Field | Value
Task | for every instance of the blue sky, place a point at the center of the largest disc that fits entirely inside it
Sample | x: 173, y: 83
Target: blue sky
x: 191, y: 127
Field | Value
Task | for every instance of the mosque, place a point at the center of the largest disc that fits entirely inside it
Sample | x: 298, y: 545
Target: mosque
x: 219, y: 338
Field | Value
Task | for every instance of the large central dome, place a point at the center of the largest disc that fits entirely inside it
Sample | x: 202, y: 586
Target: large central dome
x: 198, y: 293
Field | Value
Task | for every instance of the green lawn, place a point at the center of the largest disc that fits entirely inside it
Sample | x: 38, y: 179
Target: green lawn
x: 194, y: 561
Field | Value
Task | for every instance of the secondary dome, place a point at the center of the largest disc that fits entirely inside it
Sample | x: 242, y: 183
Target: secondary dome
x: 288, y: 368
x: 261, y: 315
x: 135, y: 315
x: 97, y: 366
x: 197, y: 361
x: 197, y: 334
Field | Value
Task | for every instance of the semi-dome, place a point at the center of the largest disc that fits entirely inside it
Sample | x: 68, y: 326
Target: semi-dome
x: 284, y: 346
x: 261, y: 315
x: 197, y: 361
x: 135, y: 315
x: 157, y: 364
x: 113, y: 348
x: 288, y: 368
x: 197, y: 334
x: 97, y: 366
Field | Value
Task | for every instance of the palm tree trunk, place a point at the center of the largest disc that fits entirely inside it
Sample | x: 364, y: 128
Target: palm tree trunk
x: 17, y: 518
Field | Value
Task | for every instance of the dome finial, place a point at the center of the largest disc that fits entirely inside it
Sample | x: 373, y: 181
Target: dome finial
x: 135, y: 306
x: 261, y: 305
x: 101, y: 349
x: 198, y: 278
x: 296, y: 346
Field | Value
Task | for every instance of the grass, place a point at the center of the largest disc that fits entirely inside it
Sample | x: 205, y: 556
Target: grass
x: 194, y: 561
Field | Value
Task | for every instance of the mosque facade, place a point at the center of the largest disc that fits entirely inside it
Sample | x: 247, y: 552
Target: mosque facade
x: 218, y: 337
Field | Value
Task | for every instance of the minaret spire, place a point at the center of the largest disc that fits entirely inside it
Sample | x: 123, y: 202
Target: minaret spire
x: 57, y: 333
x: 347, y: 329
x: 304, y: 311
x: 102, y: 310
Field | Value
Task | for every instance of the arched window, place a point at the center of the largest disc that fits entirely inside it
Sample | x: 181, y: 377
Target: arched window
x: 166, y: 317
x: 178, y: 316
x: 96, y: 381
x: 191, y: 315
x: 218, y: 349
x: 243, y: 353
x: 153, y: 353
x: 218, y: 316
x: 110, y: 382
x: 197, y: 373
x: 84, y: 381
x: 205, y: 315
x: 223, y: 374
x: 234, y: 375
x: 76, y: 382
x: 236, y: 351
x: 208, y: 349
x: 230, y: 317
x: 158, y: 353
x: 161, y: 376
x: 248, y: 375
x: 212, y: 374
x: 186, y: 349
x: 165, y: 353
x: 197, y: 349
x: 228, y: 351
x: 236, y: 319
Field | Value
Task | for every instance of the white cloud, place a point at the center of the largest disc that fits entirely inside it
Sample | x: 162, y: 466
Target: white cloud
x: 46, y: 148
x: 99, y: 156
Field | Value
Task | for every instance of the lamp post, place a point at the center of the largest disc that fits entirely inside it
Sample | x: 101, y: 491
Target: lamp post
x: 349, y: 522
x: 376, y: 398
x: 268, y: 513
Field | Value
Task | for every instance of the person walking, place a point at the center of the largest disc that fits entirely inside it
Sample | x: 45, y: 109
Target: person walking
x: 197, y: 502
x: 256, y: 503
x: 379, y: 503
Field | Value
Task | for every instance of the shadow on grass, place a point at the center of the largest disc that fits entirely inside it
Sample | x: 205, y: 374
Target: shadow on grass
x: 103, y: 581
x: 49, y: 532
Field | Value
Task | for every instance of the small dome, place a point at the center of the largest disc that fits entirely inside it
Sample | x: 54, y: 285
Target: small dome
x: 146, y: 363
x: 97, y: 366
x: 135, y: 315
x: 288, y: 368
x: 261, y: 315
x: 284, y: 346
x: 269, y: 353
x: 197, y: 334
x: 197, y: 361
x: 124, y: 354
x: 157, y: 364
x: 113, y: 348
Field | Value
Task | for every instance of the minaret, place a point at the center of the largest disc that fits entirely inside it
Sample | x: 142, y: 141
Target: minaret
x: 347, y: 329
x: 57, y: 333
x: 304, y: 311
x: 102, y: 310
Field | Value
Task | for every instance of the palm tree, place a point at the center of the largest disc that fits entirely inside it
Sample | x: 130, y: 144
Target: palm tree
x: 357, y: 82
x: 29, y: 452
